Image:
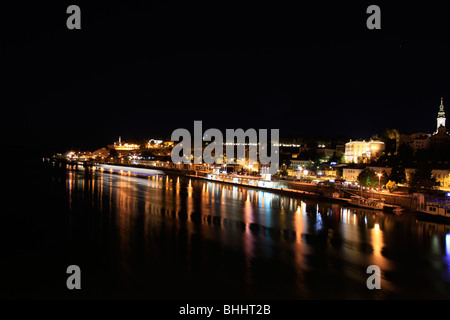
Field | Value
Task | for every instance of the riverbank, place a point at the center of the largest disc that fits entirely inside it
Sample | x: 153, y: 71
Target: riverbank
x: 282, y: 191
x: 285, y: 188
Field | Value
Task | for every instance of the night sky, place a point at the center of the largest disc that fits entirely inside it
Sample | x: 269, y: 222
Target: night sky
x: 144, y: 68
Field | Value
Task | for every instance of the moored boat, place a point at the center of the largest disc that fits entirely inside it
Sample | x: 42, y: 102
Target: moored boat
x: 370, y: 203
x: 438, y: 210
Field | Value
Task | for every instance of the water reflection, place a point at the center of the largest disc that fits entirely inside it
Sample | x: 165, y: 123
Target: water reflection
x: 447, y: 244
x: 377, y: 244
x: 311, y: 248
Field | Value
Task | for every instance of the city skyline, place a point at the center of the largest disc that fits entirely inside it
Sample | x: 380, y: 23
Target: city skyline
x: 301, y: 139
x: 131, y: 78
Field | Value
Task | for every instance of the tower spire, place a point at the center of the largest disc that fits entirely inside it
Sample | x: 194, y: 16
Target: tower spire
x: 441, y: 115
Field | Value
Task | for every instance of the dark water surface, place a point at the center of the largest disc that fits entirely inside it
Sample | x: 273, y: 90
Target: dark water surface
x: 172, y: 237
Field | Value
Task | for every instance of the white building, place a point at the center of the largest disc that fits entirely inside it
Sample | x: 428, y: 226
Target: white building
x: 350, y: 174
x: 296, y: 163
x: 441, y: 175
x: 362, y: 151
x: 441, y: 116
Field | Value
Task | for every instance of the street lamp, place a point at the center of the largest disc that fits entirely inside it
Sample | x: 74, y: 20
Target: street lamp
x: 379, y: 180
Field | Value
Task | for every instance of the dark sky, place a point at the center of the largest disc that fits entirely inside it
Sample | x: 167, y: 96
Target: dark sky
x: 145, y: 68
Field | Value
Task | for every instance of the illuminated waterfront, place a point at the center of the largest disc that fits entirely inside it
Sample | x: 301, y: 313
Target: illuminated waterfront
x: 173, y: 237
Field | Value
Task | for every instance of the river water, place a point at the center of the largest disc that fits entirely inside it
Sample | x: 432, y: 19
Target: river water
x: 172, y: 237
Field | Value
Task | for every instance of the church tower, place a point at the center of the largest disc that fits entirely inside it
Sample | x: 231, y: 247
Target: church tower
x: 441, y: 115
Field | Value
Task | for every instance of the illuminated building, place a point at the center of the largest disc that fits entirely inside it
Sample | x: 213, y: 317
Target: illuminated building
x: 124, y: 146
x: 155, y: 144
x: 362, y: 151
x: 441, y: 116
x: 296, y: 164
x: 351, y: 174
x: 168, y: 144
x: 440, y: 137
x: 152, y: 143
x: 442, y: 176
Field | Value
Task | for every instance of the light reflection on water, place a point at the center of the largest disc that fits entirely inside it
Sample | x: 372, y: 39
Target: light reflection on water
x: 327, y: 247
x: 447, y: 245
